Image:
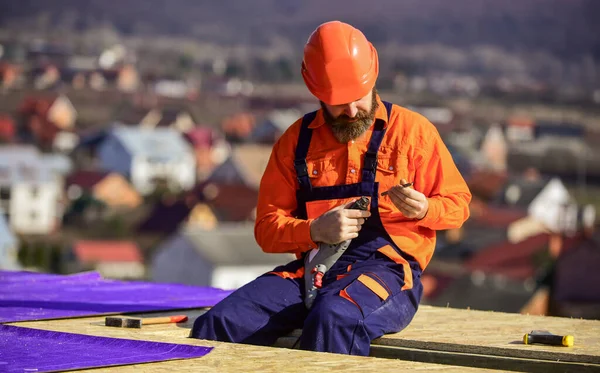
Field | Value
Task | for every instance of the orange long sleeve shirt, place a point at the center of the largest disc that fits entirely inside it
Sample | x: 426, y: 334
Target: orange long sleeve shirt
x: 411, y: 149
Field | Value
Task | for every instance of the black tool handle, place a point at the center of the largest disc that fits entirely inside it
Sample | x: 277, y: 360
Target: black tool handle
x: 546, y: 339
x: 549, y: 339
x: 360, y: 204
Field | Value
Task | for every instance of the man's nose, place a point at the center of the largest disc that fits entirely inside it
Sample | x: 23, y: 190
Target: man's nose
x: 351, y: 110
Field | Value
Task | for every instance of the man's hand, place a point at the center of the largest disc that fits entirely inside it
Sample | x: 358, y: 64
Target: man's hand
x: 338, y: 224
x: 411, y: 203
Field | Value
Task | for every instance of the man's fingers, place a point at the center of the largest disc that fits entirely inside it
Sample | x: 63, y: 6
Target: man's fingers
x: 403, y: 205
x: 353, y: 228
x: 400, y: 189
x: 411, y: 202
x: 347, y: 235
x: 353, y: 221
x: 410, y: 196
x: 406, y: 209
x: 406, y: 212
x: 401, y: 195
x: 355, y: 214
x: 351, y: 236
x: 409, y: 192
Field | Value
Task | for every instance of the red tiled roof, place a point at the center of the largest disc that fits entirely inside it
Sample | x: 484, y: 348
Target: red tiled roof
x: 517, y: 121
x: 512, y: 260
x: 107, y: 251
x: 85, y: 179
x: 233, y: 202
x: 37, y: 105
x: 492, y: 216
x: 486, y: 184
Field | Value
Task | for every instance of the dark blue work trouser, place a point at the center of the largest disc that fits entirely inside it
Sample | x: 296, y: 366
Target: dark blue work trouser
x: 346, y: 316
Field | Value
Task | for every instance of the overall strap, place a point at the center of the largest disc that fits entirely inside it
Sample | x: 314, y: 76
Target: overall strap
x: 302, y: 150
x: 388, y: 108
x: 370, y: 160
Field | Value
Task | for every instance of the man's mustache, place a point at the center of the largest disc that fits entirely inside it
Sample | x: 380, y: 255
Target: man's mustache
x: 346, y: 118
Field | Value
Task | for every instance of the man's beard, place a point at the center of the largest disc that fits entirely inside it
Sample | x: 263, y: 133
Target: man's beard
x: 346, y: 129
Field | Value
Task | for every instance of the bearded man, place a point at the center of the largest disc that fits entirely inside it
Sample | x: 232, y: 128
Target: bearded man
x: 355, y: 146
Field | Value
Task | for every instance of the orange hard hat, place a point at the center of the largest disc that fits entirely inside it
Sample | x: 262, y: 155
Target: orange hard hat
x: 340, y: 65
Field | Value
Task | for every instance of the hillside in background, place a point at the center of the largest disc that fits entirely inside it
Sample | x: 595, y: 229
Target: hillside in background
x: 568, y: 29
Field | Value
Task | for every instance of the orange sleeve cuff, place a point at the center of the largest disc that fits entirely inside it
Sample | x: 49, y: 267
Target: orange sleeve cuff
x: 433, y: 214
x: 302, y: 236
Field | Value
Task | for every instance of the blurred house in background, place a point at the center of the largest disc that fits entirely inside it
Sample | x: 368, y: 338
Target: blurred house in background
x: 62, y: 113
x: 31, y: 191
x: 478, y: 291
x: 124, y: 77
x: 245, y: 166
x: 238, y: 127
x: 210, y: 149
x: 548, y: 207
x: 226, y: 257
x: 493, y: 150
x: 175, y: 88
x: 232, y: 188
x: 202, y: 216
x: 488, y: 264
x: 81, y: 74
x: 520, y: 129
x: 519, y: 190
x: 228, y: 195
x: 442, y: 118
x: 167, y: 216
x: 149, y: 158
x: 44, y: 118
x: 560, y: 148
x: 109, y: 187
x: 176, y: 116
x: 113, y: 259
x: 45, y: 76
x: 274, y: 125
x: 9, y: 246
x: 574, y: 281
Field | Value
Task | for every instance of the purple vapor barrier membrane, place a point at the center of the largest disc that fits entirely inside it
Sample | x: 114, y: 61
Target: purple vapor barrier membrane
x: 28, y: 296
x: 33, y: 350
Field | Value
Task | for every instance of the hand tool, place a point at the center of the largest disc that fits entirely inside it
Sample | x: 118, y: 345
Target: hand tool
x: 128, y: 322
x: 402, y: 185
x: 547, y: 338
x: 325, y: 258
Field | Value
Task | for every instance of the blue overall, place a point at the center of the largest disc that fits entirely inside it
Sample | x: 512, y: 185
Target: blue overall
x: 346, y: 315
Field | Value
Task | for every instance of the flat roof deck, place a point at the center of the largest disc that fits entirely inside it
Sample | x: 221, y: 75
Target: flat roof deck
x: 463, y: 340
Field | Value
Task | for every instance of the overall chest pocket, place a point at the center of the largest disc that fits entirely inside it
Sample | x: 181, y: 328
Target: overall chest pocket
x: 321, y: 172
